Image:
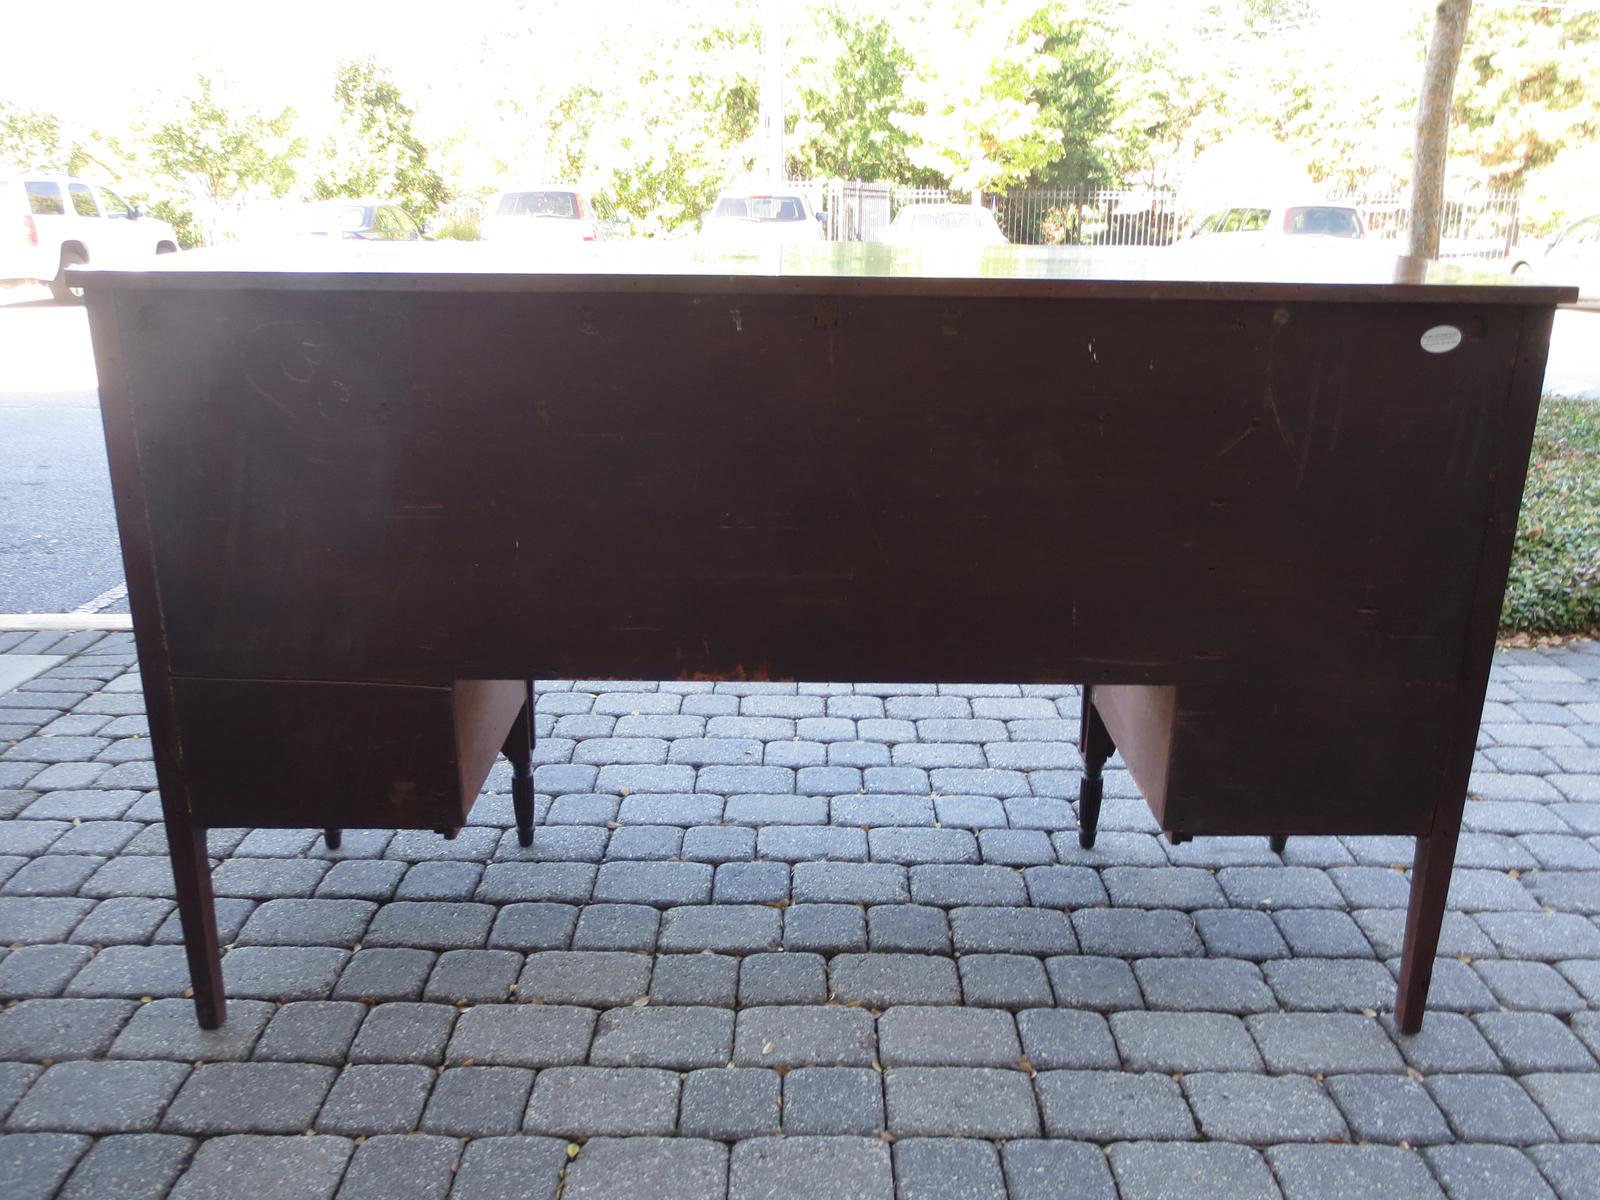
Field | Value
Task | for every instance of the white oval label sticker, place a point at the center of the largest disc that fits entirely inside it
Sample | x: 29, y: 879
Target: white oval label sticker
x: 1441, y: 339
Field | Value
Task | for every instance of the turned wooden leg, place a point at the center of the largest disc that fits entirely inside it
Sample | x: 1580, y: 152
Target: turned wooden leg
x: 333, y: 837
x: 1430, y: 885
x: 518, y: 750
x: 191, y: 873
x: 1095, y: 742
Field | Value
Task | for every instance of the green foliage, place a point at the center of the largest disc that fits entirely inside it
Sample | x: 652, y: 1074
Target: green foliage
x: 376, y: 151
x: 228, y: 153
x: 1080, y: 102
x: 849, y: 88
x: 1555, y: 568
x: 972, y: 109
x: 1528, y: 87
x: 459, y: 228
x: 31, y: 140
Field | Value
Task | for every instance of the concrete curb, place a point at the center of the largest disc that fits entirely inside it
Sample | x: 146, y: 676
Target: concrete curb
x: 64, y: 622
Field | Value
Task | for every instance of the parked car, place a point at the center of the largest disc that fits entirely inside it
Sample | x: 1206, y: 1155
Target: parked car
x: 58, y: 221
x: 541, y: 214
x: 1571, y: 256
x: 1264, y: 226
x: 944, y: 225
x: 354, y: 220
x: 775, y: 214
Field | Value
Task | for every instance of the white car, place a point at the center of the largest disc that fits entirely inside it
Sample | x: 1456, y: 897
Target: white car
x: 55, y: 222
x: 944, y: 225
x: 775, y: 214
x: 1571, y: 256
x: 1263, y: 226
x: 541, y: 214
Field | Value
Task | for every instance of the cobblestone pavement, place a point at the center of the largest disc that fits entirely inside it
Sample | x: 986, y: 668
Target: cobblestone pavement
x: 772, y: 942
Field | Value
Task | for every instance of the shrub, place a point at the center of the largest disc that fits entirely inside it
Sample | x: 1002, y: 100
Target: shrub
x: 1554, y: 586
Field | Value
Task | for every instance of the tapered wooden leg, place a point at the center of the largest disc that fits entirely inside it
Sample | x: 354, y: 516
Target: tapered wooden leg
x: 1430, y: 885
x: 1095, y: 742
x: 191, y: 873
x: 333, y: 837
x: 1278, y: 842
x: 518, y: 750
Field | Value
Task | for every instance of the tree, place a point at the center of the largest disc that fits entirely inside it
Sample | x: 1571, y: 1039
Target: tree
x: 849, y: 88
x: 1528, y: 89
x: 1079, y: 102
x: 376, y: 151
x: 31, y: 140
x: 227, y: 153
x: 971, y: 110
x: 1433, y: 126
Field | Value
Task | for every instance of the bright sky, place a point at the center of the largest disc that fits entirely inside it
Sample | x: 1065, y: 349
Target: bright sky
x: 286, y: 53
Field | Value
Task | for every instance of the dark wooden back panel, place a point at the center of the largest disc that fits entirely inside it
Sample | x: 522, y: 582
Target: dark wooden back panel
x: 421, y: 488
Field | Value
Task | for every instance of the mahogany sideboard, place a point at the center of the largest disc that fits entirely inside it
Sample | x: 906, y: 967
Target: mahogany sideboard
x: 1266, y: 518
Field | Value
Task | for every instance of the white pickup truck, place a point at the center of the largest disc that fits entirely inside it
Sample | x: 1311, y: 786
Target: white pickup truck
x: 51, y: 222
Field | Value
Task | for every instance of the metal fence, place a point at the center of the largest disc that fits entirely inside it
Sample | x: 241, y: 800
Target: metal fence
x: 1478, y: 225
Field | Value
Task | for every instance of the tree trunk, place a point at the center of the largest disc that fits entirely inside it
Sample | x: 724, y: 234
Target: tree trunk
x: 1433, y: 126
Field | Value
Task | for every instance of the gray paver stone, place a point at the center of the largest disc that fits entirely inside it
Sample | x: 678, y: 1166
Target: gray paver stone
x: 1175, y: 1042
x: 804, y: 1036
x: 1352, y: 1173
x: 401, y: 1168
x: 431, y: 925
x: 521, y: 1035
x: 833, y: 1101
x: 880, y: 980
x: 510, y: 1168
x: 811, y: 1168
x: 726, y: 928
x: 1487, y: 1173
x: 626, y: 1168
x: 617, y: 927
x: 782, y: 978
x: 1570, y: 1101
x: 385, y: 974
x: 374, y: 1099
x: 1177, y: 1171
x: 959, y: 1102
x: 682, y: 1038
x: 947, y: 1037
x: 1528, y: 1041
x: 285, y: 1168
x: 1037, y: 1170
x: 1574, y: 1170
x: 98, y: 1097
x: 1004, y: 981
x: 136, y: 1166
x: 947, y: 1168
x: 307, y: 923
x: 318, y: 1031
x: 1130, y: 933
x: 603, y: 1101
x: 40, y: 971
x: 824, y: 928
x: 1325, y: 1043
x: 1002, y: 930
x: 1095, y: 982
x: 478, y: 1101
x: 1106, y: 1106
x: 730, y: 1103
x: 32, y: 1165
x: 1389, y: 1109
x: 695, y: 979
x: 34, y: 1030
x: 473, y: 976
x: 597, y: 979
x: 1263, y: 1109
x: 248, y: 1098
x: 1490, y: 1108
x: 282, y: 972
x: 1056, y: 1039
x: 403, y: 1032
x: 1203, y: 985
